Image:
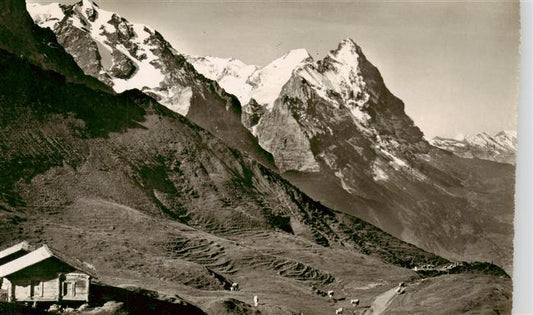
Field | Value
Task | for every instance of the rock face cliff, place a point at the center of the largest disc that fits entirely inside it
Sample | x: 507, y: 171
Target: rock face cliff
x: 342, y: 108
x: 500, y: 147
x: 332, y: 127
x: 125, y: 56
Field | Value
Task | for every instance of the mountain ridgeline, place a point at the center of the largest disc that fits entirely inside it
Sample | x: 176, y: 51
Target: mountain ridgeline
x: 134, y: 56
x: 500, y: 147
x: 167, y: 202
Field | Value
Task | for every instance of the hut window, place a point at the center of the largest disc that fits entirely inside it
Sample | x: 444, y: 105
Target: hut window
x: 69, y: 289
x: 65, y: 288
x: 37, y: 288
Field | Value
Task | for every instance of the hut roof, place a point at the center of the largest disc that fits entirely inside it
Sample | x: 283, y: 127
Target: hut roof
x: 41, y: 254
x: 15, y: 248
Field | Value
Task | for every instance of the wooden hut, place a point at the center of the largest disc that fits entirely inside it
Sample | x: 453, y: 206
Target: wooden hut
x: 10, y: 254
x: 46, y: 275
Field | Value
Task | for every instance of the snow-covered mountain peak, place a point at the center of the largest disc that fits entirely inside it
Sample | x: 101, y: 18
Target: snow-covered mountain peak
x: 346, y: 53
x: 248, y: 82
x: 500, y: 147
x: 511, y: 134
x: 459, y: 137
x: 337, y: 78
x: 216, y: 68
x: 123, y: 55
x: 268, y: 81
x: 481, y: 139
x: 230, y: 73
x: 46, y: 15
x: 292, y: 58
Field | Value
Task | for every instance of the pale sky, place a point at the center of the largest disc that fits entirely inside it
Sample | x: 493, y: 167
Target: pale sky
x: 454, y: 64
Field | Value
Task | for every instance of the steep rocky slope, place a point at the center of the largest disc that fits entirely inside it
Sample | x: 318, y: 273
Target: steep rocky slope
x: 154, y: 201
x: 500, y: 147
x: 38, y: 45
x: 125, y: 56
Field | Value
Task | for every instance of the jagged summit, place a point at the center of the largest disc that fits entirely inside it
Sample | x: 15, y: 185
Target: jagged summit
x: 88, y: 9
x: 346, y: 51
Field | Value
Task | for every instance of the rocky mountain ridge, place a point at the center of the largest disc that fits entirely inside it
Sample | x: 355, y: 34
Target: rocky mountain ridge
x: 501, y: 147
x: 127, y: 55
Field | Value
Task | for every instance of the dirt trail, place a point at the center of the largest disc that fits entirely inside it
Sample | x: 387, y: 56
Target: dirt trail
x: 382, y: 302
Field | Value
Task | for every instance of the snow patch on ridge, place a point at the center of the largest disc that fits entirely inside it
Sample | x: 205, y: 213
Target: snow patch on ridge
x: 345, y: 186
x: 231, y: 74
x: 378, y: 174
x: 46, y: 16
x: 144, y: 77
x: 177, y: 99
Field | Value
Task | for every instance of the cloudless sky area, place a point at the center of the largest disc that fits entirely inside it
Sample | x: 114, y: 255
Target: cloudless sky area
x: 454, y: 64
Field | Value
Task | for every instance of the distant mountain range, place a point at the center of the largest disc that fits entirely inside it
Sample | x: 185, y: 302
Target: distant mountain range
x: 500, y: 147
x: 330, y: 126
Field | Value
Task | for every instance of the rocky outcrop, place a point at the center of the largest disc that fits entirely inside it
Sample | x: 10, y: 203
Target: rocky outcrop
x: 251, y: 114
x: 280, y: 134
x: 122, y: 67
